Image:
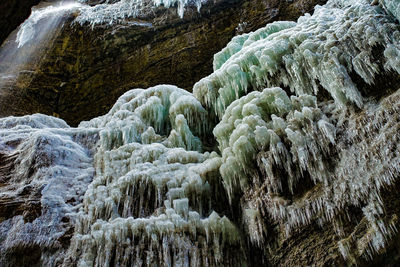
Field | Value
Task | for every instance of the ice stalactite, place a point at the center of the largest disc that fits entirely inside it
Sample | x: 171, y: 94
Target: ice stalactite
x: 266, y: 121
x: 293, y: 165
x: 149, y: 194
x: 241, y: 41
x: 181, y: 4
x: 149, y: 113
x: 116, y: 11
x: 322, y: 50
x: 296, y: 162
x: 285, y: 139
x: 369, y: 165
x: 392, y: 6
x: 47, y: 171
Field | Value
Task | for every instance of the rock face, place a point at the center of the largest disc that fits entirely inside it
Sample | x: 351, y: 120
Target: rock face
x: 86, y: 69
x: 12, y: 14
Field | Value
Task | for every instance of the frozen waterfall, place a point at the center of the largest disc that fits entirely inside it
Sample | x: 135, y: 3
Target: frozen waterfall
x: 299, y: 141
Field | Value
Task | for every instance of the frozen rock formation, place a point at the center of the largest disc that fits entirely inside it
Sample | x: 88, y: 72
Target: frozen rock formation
x: 149, y: 194
x: 392, y: 6
x: 306, y: 171
x: 291, y: 164
x: 45, y: 170
x: 321, y: 50
x: 114, y: 11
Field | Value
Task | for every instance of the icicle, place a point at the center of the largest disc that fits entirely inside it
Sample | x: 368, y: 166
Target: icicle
x: 122, y: 10
x: 322, y: 49
x: 149, y: 186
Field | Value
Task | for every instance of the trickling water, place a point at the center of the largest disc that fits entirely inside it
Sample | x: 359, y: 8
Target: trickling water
x: 21, y: 53
x: 43, y: 20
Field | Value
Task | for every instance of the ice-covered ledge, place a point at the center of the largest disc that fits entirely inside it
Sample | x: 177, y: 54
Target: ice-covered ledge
x: 117, y: 11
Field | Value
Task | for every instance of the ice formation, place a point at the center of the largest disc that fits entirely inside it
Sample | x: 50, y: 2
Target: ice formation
x: 148, y: 113
x: 150, y: 192
x: 151, y: 198
x: 266, y: 121
x: 48, y: 168
x: 239, y: 42
x: 277, y: 152
x: 117, y: 11
x: 392, y: 6
x: 273, y: 146
x: 289, y: 156
x: 322, y: 50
